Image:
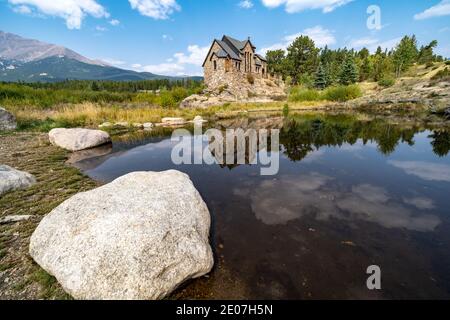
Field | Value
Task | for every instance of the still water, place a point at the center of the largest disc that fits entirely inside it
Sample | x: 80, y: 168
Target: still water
x: 352, y: 191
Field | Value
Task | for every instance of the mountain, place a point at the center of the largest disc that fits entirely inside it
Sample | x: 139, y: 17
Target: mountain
x: 32, y: 61
x: 60, y: 68
x: 14, y: 47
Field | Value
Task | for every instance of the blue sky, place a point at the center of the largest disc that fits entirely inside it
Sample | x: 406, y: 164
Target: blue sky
x: 173, y: 36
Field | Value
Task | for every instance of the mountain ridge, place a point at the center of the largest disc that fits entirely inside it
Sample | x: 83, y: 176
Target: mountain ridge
x: 30, y: 60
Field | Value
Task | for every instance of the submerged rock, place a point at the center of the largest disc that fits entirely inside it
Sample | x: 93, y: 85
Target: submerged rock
x: 7, y: 120
x: 12, y: 179
x: 138, y: 237
x: 78, y: 139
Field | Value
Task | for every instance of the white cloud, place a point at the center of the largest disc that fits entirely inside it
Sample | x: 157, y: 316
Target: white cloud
x: 246, y: 4
x: 439, y: 10
x: 167, y: 37
x: 101, y: 29
x: 293, y: 6
x: 164, y: 68
x: 156, y: 9
x: 113, y: 62
x: 114, y: 22
x: 179, y: 63
x: 321, y: 37
x: 195, y: 56
x: 22, y: 9
x: 373, y: 43
x: 73, y: 11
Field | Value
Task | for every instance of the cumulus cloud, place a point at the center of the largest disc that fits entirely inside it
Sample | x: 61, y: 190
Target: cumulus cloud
x: 293, y: 6
x: 319, y: 34
x: 193, y: 57
x: 164, y: 68
x: 285, y: 199
x: 439, y: 10
x: 72, y: 11
x: 373, y: 43
x: 246, y: 4
x: 156, y: 9
x: 114, y: 22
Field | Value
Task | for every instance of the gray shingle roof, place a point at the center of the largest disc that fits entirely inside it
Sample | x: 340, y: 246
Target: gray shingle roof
x: 232, y: 53
x: 232, y: 48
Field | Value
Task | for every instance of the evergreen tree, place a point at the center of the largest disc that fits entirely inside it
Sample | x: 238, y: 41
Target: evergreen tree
x: 321, y: 80
x: 426, y: 53
x: 405, y: 54
x: 302, y: 58
x: 349, y: 73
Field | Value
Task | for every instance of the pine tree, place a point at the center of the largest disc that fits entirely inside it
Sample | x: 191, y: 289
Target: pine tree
x: 349, y: 72
x: 321, y: 80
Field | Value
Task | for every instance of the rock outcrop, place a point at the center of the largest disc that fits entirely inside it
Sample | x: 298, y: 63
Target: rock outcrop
x: 12, y: 179
x: 7, y: 120
x: 138, y: 237
x: 260, y: 91
x: 78, y: 139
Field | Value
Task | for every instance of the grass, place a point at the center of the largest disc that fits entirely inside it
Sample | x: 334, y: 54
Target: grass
x: 56, y: 182
x: 336, y: 94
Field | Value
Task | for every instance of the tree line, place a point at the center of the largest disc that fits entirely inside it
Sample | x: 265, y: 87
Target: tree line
x: 305, y: 64
x: 119, y: 86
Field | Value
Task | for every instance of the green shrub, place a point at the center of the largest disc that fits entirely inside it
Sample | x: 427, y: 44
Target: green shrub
x: 167, y: 100
x: 299, y: 94
x: 286, y: 110
x: 342, y: 93
x: 387, y: 82
x: 447, y: 62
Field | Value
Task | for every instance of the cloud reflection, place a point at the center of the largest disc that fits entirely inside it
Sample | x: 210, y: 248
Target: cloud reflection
x: 289, y: 198
x: 425, y: 170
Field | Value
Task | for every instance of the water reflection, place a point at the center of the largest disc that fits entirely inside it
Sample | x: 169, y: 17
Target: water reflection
x: 381, y: 186
x: 289, y: 198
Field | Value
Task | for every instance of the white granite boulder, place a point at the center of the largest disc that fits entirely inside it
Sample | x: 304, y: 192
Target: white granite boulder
x: 12, y: 179
x: 7, y: 120
x: 138, y: 237
x: 78, y: 139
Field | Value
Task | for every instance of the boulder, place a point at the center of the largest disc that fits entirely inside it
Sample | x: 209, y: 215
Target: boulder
x: 136, y: 238
x: 138, y: 125
x: 14, y: 219
x: 106, y: 125
x: 7, y: 120
x: 12, y: 179
x: 173, y: 121
x: 78, y: 139
x: 148, y: 125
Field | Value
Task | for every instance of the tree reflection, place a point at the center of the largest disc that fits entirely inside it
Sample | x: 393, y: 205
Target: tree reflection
x: 303, y: 134
x: 441, y: 142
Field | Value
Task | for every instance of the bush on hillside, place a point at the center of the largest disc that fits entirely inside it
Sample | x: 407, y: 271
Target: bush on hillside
x: 342, y: 93
x: 386, y: 82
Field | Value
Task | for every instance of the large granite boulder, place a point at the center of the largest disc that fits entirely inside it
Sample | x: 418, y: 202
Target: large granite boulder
x: 7, y: 120
x: 12, y: 179
x: 138, y: 237
x: 78, y: 139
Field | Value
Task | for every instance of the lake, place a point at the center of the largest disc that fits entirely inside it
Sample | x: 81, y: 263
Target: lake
x: 352, y: 191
